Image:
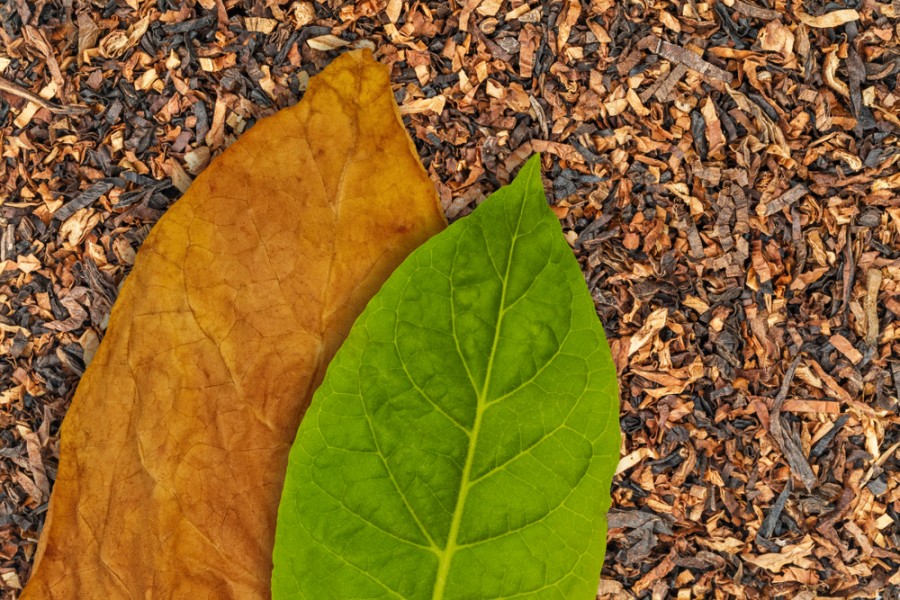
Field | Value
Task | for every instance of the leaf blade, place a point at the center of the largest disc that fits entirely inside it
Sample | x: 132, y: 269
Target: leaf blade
x: 480, y: 331
x: 174, y: 449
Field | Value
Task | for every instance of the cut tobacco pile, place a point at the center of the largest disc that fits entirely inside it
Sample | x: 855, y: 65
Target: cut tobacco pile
x: 174, y: 449
x: 727, y: 174
x: 464, y: 439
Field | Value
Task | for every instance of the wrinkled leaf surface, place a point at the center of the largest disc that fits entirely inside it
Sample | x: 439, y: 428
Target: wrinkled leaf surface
x: 174, y: 449
x: 464, y: 438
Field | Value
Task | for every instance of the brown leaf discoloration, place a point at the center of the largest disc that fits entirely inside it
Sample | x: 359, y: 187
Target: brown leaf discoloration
x: 174, y: 449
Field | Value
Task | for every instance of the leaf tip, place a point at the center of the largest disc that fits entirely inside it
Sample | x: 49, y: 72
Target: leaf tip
x: 529, y: 178
x: 531, y: 167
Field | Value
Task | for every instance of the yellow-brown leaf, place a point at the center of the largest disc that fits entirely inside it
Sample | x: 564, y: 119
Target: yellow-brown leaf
x: 174, y: 450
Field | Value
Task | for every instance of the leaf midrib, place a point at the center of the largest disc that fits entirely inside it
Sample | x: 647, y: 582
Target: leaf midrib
x: 446, y: 556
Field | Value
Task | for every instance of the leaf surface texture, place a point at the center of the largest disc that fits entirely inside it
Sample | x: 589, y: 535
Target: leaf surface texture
x: 464, y: 438
x: 175, y: 446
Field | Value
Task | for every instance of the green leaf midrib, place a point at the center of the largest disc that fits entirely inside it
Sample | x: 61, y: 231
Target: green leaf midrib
x: 445, y: 557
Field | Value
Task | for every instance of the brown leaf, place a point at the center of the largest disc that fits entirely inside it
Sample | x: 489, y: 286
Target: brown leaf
x: 174, y: 450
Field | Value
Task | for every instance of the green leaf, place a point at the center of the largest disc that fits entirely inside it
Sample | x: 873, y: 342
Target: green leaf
x: 464, y: 438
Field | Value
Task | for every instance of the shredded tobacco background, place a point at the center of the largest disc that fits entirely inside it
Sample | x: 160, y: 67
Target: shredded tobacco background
x: 726, y: 171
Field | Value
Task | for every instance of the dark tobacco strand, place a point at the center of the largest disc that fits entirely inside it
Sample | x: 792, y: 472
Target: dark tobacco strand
x: 86, y: 198
x: 821, y: 446
x: 768, y: 526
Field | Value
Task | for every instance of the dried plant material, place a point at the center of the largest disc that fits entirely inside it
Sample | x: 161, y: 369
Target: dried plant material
x: 669, y: 21
x: 752, y: 10
x: 174, y: 449
x: 260, y: 24
x: 777, y: 37
x: 829, y: 72
x: 84, y: 199
x: 17, y: 90
x: 652, y: 326
x: 11, y: 580
x: 529, y: 39
x: 773, y: 133
x: 393, y: 10
x: 844, y: 346
x: 180, y: 179
x: 630, y: 460
x: 303, y: 13
x: 775, y: 562
x: 613, y: 589
x: 785, y: 438
x: 489, y: 8
x: 812, y: 406
x: 197, y: 159
x: 326, y: 43
x: 834, y: 18
x: 714, y: 134
x: 672, y: 382
x: 530, y: 16
x: 680, y: 55
x: 665, y: 86
x: 569, y: 18
x: 656, y: 573
x: 37, y: 40
x: 517, y: 12
x: 766, y: 209
x: 116, y: 43
x: 146, y: 80
x: 635, y: 103
x: 874, y: 278
x: 24, y: 117
x: 885, y: 456
x: 435, y: 104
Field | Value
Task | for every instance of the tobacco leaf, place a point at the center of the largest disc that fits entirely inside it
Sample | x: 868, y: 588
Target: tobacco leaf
x: 464, y: 438
x: 175, y: 446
